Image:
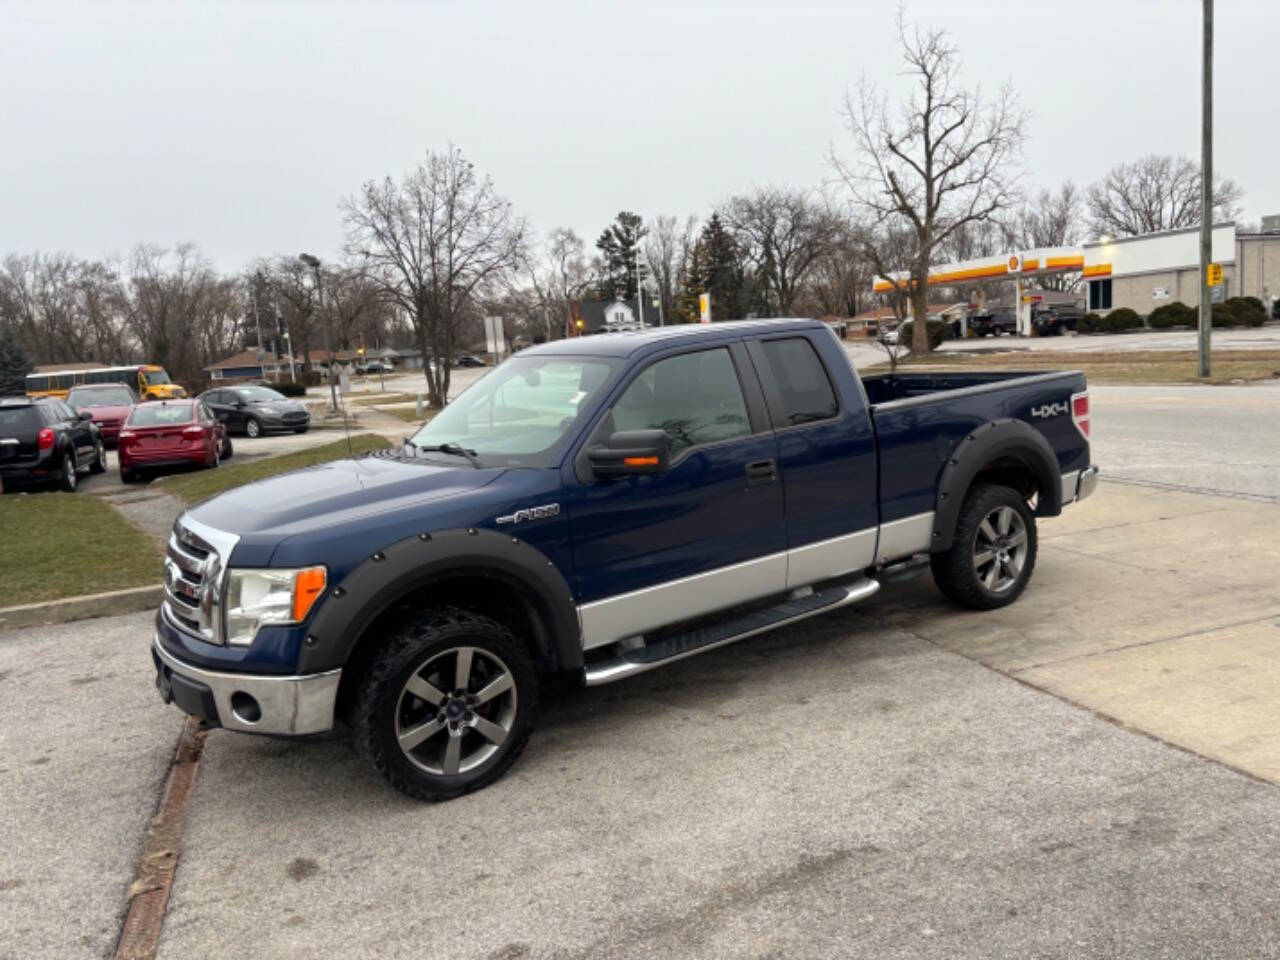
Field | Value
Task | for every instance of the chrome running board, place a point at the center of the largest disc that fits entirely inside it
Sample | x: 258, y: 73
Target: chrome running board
x: 730, y: 630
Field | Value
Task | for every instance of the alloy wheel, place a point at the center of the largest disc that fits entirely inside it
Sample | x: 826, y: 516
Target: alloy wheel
x: 1000, y: 549
x: 455, y: 711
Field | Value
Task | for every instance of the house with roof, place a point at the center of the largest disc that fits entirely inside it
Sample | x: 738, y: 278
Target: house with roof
x: 252, y: 365
x: 608, y: 316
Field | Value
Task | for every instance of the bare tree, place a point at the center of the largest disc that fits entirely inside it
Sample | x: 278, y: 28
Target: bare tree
x: 665, y: 247
x: 782, y: 232
x: 1051, y: 219
x: 941, y: 160
x: 843, y: 275
x: 1156, y: 193
x: 432, y: 242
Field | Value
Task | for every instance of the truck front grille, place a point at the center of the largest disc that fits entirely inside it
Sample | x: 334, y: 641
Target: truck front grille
x: 193, y: 578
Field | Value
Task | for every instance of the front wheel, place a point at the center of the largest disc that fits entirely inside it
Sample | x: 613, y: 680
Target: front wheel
x: 993, y: 553
x: 299, y: 429
x: 446, y: 704
x: 252, y: 428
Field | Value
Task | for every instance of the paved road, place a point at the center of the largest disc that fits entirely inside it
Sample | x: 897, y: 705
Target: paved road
x: 1222, y: 439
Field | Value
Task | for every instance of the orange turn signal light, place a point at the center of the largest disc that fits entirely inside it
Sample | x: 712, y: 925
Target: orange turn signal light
x: 308, y: 584
x: 640, y: 461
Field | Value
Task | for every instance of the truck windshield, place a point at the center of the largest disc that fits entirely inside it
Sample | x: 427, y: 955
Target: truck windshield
x: 516, y: 415
x: 151, y: 377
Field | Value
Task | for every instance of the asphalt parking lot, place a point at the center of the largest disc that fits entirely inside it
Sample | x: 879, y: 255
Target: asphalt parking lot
x: 1090, y: 772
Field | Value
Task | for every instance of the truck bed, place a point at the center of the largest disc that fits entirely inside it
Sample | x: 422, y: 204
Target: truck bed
x: 919, y: 418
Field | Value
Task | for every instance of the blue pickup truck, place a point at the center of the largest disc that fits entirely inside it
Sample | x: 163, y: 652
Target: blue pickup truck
x: 595, y: 508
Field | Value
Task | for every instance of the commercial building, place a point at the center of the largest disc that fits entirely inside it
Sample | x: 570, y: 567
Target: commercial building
x: 1140, y: 273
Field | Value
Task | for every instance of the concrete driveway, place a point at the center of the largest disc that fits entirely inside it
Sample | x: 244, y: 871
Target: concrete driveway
x: 1090, y: 772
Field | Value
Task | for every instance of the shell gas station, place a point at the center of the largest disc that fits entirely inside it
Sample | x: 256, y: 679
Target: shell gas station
x: 1136, y: 272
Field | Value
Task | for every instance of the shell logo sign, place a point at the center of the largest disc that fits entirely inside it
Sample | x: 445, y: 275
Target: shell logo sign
x: 1015, y: 264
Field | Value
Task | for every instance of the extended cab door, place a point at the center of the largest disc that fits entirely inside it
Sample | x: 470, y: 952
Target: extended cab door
x: 705, y: 535
x: 826, y: 453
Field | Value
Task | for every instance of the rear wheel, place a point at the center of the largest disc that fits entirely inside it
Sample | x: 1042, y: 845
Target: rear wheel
x: 227, y: 449
x: 99, y: 464
x: 446, y: 704
x: 994, y: 550
x: 67, y: 478
x: 128, y: 476
x: 252, y: 428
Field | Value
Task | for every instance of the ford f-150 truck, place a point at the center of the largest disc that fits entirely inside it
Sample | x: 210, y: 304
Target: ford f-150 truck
x: 598, y: 507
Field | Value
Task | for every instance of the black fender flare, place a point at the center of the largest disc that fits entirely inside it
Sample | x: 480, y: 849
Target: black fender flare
x: 387, y: 576
x: 983, y: 446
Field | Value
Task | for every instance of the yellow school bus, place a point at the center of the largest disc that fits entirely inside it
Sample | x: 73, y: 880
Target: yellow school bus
x: 148, y: 380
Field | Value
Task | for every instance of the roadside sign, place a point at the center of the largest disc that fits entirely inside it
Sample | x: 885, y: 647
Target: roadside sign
x: 494, y: 336
x: 1218, y: 294
x: 704, y: 305
x: 1160, y: 293
x: 1215, y: 274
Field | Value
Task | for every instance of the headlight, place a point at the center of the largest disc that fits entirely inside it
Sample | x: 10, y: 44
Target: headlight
x: 257, y: 597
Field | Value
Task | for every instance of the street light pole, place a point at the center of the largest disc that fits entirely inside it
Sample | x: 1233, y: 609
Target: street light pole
x: 639, y: 287
x: 1206, y: 188
x: 314, y: 264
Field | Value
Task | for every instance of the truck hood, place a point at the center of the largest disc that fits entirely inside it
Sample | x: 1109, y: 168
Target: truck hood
x: 336, y: 493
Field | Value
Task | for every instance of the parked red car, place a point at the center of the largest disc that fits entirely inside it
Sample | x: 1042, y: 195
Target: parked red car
x: 169, y: 433
x: 108, y: 405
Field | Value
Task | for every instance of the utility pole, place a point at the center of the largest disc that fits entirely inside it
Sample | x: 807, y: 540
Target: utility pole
x: 639, y: 286
x: 314, y: 264
x: 1206, y: 188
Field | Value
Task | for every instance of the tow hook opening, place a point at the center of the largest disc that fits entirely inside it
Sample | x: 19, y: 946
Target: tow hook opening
x: 245, y: 708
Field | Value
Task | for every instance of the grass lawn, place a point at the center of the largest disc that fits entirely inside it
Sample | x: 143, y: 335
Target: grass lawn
x: 1131, y: 367
x: 197, y: 486
x: 59, y: 545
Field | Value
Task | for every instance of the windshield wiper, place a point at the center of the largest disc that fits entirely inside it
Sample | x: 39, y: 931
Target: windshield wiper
x: 453, y: 449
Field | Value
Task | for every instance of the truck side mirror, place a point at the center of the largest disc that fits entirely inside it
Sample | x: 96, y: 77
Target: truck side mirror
x: 631, y: 453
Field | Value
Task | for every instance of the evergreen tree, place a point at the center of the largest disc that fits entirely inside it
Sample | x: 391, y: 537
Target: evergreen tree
x: 617, y: 245
x: 722, y: 273
x: 14, y: 365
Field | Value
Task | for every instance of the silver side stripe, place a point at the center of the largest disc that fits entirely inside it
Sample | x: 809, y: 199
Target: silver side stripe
x: 628, y: 614
x: 631, y: 614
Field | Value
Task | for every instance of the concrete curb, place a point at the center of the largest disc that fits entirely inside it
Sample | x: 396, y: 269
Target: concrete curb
x: 109, y: 604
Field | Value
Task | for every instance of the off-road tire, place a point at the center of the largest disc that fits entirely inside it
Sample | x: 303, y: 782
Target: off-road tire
x: 99, y: 464
x: 411, y: 640
x: 953, y: 569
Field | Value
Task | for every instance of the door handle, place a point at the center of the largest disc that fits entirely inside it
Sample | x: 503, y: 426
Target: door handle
x: 761, y: 471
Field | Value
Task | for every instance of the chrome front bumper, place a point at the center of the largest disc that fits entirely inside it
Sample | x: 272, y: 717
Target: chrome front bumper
x: 289, y: 706
x: 1079, y: 484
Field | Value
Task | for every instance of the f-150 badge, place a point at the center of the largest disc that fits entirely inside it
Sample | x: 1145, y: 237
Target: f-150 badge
x: 530, y: 513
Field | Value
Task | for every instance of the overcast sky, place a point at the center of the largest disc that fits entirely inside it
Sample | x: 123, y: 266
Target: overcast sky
x: 239, y: 126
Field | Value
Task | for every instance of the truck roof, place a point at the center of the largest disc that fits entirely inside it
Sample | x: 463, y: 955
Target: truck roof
x: 626, y: 344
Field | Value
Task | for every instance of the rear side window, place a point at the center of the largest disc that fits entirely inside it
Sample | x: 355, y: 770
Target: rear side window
x: 694, y: 397
x: 15, y: 419
x: 160, y: 414
x: 804, y: 389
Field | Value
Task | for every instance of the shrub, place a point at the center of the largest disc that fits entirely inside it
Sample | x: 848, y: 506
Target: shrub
x: 1122, y: 318
x: 1168, y: 315
x: 1089, y: 323
x: 939, y: 330
x: 1221, y: 318
x: 1240, y: 305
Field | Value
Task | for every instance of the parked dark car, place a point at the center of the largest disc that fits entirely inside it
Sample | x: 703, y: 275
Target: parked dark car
x: 44, y: 441
x: 171, y: 433
x: 254, y: 410
x: 1054, y: 321
x: 468, y: 360
x: 993, y: 324
x: 108, y: 405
